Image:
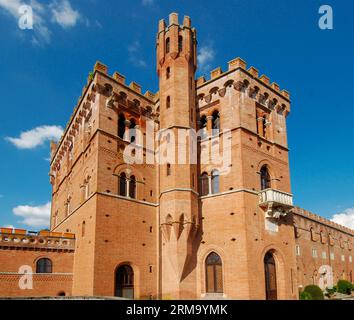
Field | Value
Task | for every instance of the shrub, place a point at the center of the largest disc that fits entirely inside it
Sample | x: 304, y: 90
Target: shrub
x: 305, y: 296
x: 315, y: 292
x: 344, y: 287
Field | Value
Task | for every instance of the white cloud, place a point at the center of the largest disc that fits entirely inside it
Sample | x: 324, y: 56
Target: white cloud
x: 147, y: 2
x: 9, y: 226
x: 345, y: 218
x: 36, y: 137
x: 34, y: 216
x: 64, y: 14
x: 41, y: 33
x: 205, y: 56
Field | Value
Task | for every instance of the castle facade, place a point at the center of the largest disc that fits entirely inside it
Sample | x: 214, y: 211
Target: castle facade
x: 217, y: 221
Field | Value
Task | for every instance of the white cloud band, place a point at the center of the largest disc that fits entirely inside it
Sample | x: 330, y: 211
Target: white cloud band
x: 36, y: 137
x: 34, y: 216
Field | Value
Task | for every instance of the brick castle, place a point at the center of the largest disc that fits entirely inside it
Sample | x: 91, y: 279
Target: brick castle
x: 171, y: 230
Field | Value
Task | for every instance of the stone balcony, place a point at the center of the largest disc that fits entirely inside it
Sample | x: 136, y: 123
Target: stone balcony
x: 276, y: 203
x: 43, y: 240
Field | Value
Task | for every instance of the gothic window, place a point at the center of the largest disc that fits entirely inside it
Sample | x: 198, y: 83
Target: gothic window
x: 123, y: 184
x: 265, y: 178
x: 203, y: 127
x: 168, y: 45
x: 262, y: 123
x: 168, y: 102
x: 67, y: 207
x: 216, y: 122
x: 203, y: 122
x: 215, y: 181
x: 204, y: 184
x: 44, y: 265
x: 121, y: 126
x: 264, y: 126
x: 132, y: 131
x: 83, y: 229
x: 132, y: 187
x: 87, y: 188
x: 213, y: 272
x: 180, y: 44
x: 313, y: 234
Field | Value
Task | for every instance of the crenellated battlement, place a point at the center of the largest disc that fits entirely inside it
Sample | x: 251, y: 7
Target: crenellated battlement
x: 134, y: 86
x: 307, y: 214
x: 173, y: 20
x: 83, y: 109
x: 42, y: 240
x: 239, y: 63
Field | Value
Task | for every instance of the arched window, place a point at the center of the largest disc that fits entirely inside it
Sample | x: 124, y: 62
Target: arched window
x: 203, y: 127
x: 216, y: 122
x: 213, y: 273
x: 44, y: 265
x: 270, y: 276
x: 180, y: 44
x: 121, y: 126
x: 125, y: 282
x: 215, y: 181
x: 168, y: 45
x: 264, y: 126
x: 204, y: 184
x: 203, y: 122
x: 132, y: 131
x: 168, y: 102
x: 86, y: 188
x: 265, y: 178
x: 123, y: 184
x: 168, y: 72
x: 83, y: 229
x: 168, y: 169
x: 132, y: 187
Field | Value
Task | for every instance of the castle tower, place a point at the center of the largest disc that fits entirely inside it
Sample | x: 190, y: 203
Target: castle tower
x: 176, y: 65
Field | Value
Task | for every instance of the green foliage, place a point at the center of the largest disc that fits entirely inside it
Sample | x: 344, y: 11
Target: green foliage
x: 91, y: 75
x: 305, y: 296
x: 344, y: 287
x: 315, y: 292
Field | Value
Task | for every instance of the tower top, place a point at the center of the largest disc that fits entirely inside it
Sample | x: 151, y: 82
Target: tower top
x: 173, y: 20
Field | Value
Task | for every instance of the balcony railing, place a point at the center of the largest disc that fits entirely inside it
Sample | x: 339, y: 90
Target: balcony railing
x: 275, y: 197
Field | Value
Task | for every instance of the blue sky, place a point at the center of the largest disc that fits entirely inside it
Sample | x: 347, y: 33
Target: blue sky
x: 43, y: 71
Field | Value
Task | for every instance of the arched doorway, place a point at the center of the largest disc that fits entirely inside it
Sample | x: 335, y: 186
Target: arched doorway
x: 270, y: 276
x: 213, y: 273
x: 125, y: 282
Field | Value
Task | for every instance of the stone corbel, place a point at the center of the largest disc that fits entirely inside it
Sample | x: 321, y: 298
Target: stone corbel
x: 276, y: 212
x: 208, y: 98
x: 110, y: 103
x: 253, y: 92
x: 238, y: 85
x: 86, y: 105
x: 222, y: 92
